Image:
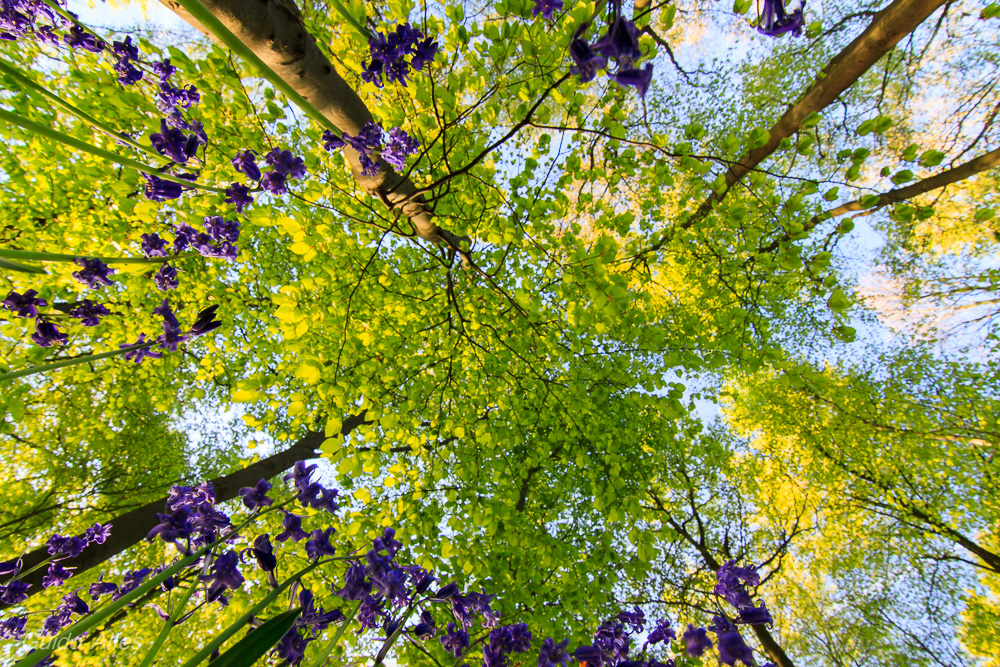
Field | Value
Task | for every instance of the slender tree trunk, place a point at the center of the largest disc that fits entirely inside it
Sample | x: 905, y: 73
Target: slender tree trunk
x: 131, y: 528
x: 274, y: 31
x: 944, y: 179
x: 888, y: 27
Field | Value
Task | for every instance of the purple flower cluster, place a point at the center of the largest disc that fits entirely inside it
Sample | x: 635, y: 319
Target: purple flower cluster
x: 170, y: 98
x: 191, y: 517
x: 80, y: 39
x: 224, y: 232
x: 732, y: 582
x: 776, y: 18
x: 89, y: 313
x: 312, y: 494
x: 389, y: 52
x: 369, y: 142
x: 26, y: 305
x: 15, y: 591
x: 128, y: 53
x: 621, y: 44
x: 173, y: 143
x: 94, y: 273
x: 19, y: 18
x: 284, y: 167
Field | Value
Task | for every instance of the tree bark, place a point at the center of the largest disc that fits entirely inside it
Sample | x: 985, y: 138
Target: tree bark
x: 886, y: 29
x: 274, y: 31
x: 944, y: 179
x: 131, y: 528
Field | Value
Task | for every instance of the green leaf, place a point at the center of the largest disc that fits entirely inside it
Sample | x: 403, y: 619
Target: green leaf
x: 869, y: 201
x: 902, y: 176
x: 251, y: 648
x: 17, y: 266
x: 742, y: 6
x: 991, y: 11
x: 931, y: 158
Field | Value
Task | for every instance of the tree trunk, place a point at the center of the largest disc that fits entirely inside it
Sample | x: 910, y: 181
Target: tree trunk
x: 131, y: 528
x: 888, y: 27
x: 274, y: 31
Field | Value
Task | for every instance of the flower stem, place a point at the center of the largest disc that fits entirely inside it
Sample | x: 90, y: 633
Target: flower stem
x: 4, y: 377
x: 235, y: 626
x: 332, y: 644
x: 30, y: 86
x: 169, y: 625
x: 224, y: 35
x: 343, y: 11
x: 55, y: 135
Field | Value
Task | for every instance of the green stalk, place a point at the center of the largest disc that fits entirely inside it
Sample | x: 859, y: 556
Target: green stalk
x: 63, y: 13
x: 342, y: 10
x: 4, y: 377
x: 224, y: 35
x: 332, y: 644
x: 31, y: 86
x: 395, y: 635
x: 55, y: 135
x: 235, y: 626
x: 57, y: 257
x: 169, y: 625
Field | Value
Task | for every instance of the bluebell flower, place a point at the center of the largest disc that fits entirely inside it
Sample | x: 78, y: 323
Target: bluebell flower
x: 446, y: 592
x: 246, y: 164
x: 292, y: 524
x: 331, y: 141
x: 620, y: 42
x: 730, y: 584
x: 222, y: 230
x: 612, y: 640
x: 426, y: 628
x: 13, y: 628
x: 636, y: 619
x: 319, y: 544
x: 640, y: 79
x: 286, y: 164
x: 553, y: 654
x: 94, y: 272
x: 164, y: 70
x: 370, y: 612
x: 586, y: 63
x: 131, y: 581
x: 54, y: 624
x: 224, y: 250
x: 696, y: 641
x: 153, y: 245
x: 546, y: 8
x: 239, y: 196
x: 158, y: 189
x: 399, y: 146
x: 263, y: 553
x: 138, y: 355
x: 455, y: 640
x: 101, y: 588
x: 274, y: 182
x: 78, y: 39
x: 170, y: 97
x: 75, y: 604
x: 173, y: 143
x: 47, y: 334
x: 387, y: 542
x: 89, y: 313
x: 511, y: 638
x: 24, y: 305
x: 128, y: 74
x: 732, y: 648
x: 14, y: 592
x: 662, y: 632
x: 56, y: 575
x: 255, y: 497
x: 225, y: 575
x: 755, y: 616
x: 591, y: 656
x: 356, y: 584
x: 166, y: 278
x: 10, y: 567
x: 776, y: 19
x: 423, y: 54
x: 97, y: 533
x: 60, y: 547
